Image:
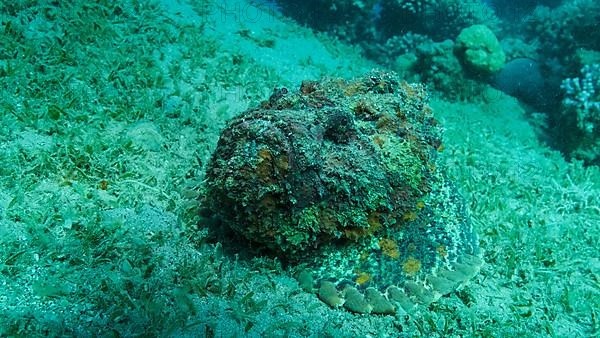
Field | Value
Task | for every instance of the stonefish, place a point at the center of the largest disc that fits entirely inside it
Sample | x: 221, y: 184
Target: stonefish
x: 341, y: 180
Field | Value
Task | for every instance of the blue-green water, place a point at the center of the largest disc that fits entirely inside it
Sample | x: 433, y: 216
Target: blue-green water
x: 110, y: 111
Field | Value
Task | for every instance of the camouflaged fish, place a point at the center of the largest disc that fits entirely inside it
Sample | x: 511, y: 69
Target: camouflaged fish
x: 340, y: 179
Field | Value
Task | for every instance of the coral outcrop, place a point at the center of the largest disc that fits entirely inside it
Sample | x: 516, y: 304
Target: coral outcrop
x: 479, y: 50
x: 351, y: 20
x: 438, y: 19
x: 561, y: 31
x: 581, y: 114
x: 340, y: 179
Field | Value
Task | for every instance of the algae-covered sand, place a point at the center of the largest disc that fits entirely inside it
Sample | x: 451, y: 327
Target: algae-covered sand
x: 108, y: 114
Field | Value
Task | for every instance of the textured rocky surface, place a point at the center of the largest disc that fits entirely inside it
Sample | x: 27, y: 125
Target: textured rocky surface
x: 341, y: 180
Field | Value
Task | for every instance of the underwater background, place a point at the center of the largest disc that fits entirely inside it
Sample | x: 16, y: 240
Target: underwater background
x: 110, y: 111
